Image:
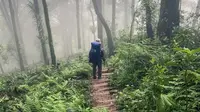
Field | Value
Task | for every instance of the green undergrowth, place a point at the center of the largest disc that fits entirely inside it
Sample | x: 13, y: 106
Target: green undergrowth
x: 152, y: 77
x: 65, y: 89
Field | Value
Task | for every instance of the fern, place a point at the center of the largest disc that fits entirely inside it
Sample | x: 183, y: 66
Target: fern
x: 48, y: 90
x: 154, y: 77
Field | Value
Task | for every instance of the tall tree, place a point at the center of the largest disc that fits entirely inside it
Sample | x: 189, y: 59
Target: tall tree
x: 197, y: 14
x: 99, y: 23
x: 107, y: 29
x: 125, y: 13
x: 180, y: 5
x: 113, y: 17
x: 19, y: 31
x: 13, y: 18
x: 133, y: 11
x: 50, y: 38
x: 149, y: 28
x: 169, y: 18
x: 93, y: 28
x: 83, y: 25
x: 37, y: 15
x: 78, y: 23
x: 5, y: 12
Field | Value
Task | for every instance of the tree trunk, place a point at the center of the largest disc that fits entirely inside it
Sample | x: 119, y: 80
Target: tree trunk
x: 12, y: 14
x: 78, y: 23
x: 19, y: 32
x: 113, y: 18
x: 108, y: 32
x: 51, y: 46
x: 180, y: 5
x: 149, y: 28
x: 40, y: 29
x: 83, y: 25
x: 125, y: 13
x: 99, y: 23
x: 197, y: 14
x: 2, y: 70
x: 104, y: 6
x: 93, y: 22
x: 133, y: 19
x: 169, y: 18
x: 8, y: 20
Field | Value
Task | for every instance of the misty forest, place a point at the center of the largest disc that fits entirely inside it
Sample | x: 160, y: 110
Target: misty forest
x: 151, y: 55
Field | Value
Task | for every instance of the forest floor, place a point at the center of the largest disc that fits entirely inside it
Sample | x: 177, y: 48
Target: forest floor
x: 101, y: 93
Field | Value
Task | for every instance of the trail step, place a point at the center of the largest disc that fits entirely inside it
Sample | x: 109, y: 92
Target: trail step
x: 100, y: 85
x: 101, y: 93
x: 113, y: 91
x: 103, y: 89
x: 100, y: 81
x: 107, y: 102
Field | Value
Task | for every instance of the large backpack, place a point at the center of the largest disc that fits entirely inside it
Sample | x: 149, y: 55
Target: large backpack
x: 95, y: 52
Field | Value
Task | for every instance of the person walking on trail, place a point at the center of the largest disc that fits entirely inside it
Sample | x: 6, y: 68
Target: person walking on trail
x: 96, y: 55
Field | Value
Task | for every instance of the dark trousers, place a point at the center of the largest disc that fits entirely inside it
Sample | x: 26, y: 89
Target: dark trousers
x: 99, y: 65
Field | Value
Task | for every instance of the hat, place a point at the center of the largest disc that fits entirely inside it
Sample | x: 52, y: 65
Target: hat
x: 98, y: 40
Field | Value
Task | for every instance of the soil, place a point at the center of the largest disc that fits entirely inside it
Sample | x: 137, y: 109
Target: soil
x: 101, y: 97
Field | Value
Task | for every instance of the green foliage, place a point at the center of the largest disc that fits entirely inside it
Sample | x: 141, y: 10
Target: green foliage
x: 153, y: 77
x: 133, y: 61
x: 188, y: 38
x: 47, y: 89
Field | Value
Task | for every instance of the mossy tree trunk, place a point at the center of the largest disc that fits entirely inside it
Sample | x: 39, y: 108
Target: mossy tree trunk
x: 50, y: 38
x: 40, y: 29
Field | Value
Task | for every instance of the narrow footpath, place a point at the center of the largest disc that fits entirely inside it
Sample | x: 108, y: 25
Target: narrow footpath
x: 101, y: 93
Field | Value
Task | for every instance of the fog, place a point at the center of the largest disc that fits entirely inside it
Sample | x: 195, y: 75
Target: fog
x: 62, y: 14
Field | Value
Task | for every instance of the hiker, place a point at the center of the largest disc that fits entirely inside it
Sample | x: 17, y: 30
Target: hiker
x: 96, y: 56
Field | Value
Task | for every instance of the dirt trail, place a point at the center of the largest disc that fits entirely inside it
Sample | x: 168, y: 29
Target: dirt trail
x: 101, y: 93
